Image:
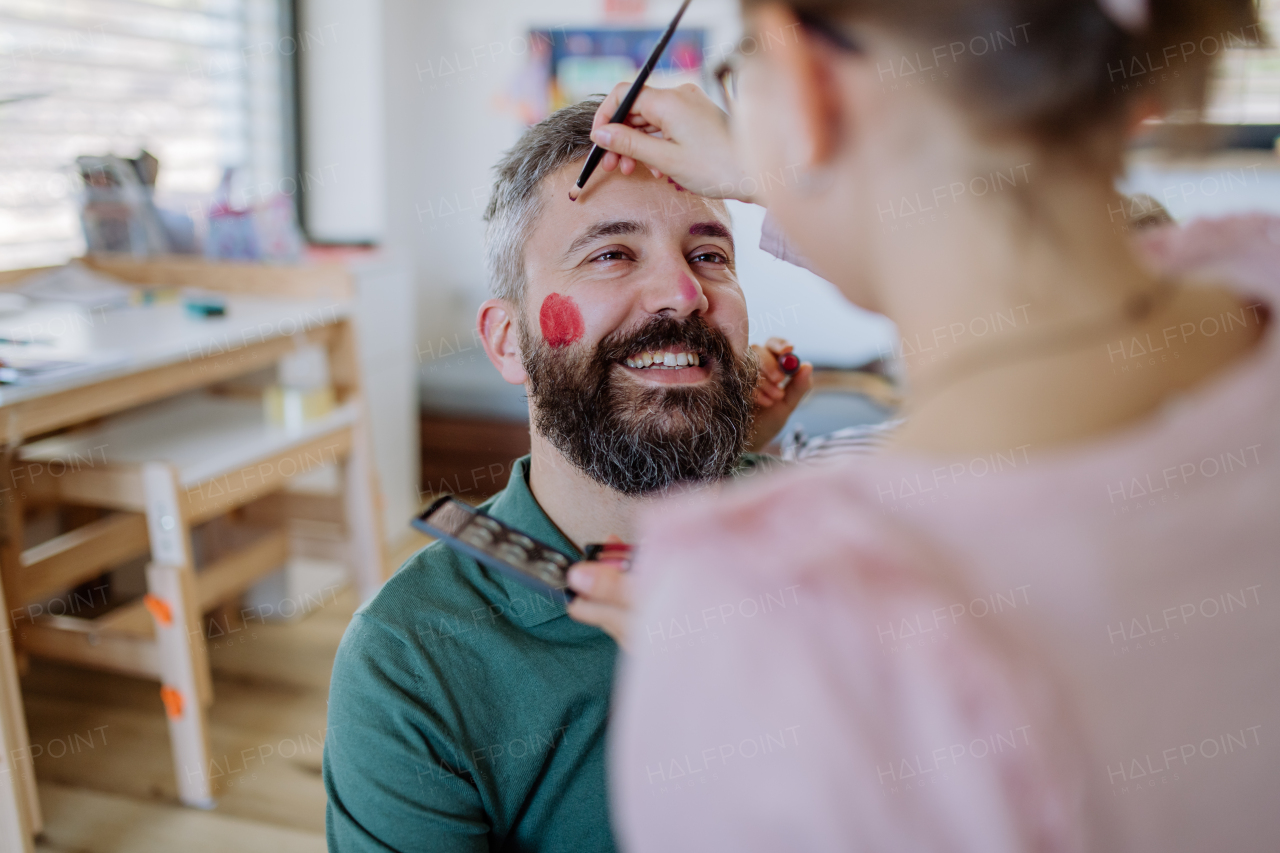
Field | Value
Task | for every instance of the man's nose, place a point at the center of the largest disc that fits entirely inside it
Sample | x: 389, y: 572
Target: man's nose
x: 675, y: 291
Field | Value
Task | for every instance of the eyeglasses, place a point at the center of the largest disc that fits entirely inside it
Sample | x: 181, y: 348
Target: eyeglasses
x: 727, y: 73
x: 727, y: 76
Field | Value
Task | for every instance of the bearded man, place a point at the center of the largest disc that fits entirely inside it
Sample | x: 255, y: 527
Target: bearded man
x: 466, y: 712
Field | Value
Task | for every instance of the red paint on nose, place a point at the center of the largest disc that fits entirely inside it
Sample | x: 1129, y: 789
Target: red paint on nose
x: 688, y: 290
x: 561, y: 320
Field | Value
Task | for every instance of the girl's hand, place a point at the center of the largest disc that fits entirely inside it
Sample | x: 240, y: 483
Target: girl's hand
x: 775, y: 403
x: 603, y: 596
x: 679, y: 133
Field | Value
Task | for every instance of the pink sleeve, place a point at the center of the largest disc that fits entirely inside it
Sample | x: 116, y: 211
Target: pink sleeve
x: 773, y: 241
x: 802, y: 697
x: 1243, y: 249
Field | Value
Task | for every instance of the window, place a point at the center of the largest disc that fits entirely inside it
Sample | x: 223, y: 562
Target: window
x: 201, y: 84
x: 1247, y: 87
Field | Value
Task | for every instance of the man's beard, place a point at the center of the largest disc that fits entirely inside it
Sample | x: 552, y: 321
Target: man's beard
x: 640, y: 439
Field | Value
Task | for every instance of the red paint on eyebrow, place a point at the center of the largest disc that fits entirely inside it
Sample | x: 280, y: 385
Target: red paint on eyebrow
x: 561, y: 320
x: 688, y: 290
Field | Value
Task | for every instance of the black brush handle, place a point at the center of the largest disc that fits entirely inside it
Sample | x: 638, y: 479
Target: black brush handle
x: 629, y: 100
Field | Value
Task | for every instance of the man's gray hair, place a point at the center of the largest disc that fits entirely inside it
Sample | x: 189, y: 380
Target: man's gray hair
x: 559, y: 139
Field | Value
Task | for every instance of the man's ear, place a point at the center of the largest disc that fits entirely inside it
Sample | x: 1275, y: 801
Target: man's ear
x: 497, y: 329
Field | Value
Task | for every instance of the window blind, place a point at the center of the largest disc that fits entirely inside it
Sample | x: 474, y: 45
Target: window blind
x: 1246, y: 89
x: 201, y: 84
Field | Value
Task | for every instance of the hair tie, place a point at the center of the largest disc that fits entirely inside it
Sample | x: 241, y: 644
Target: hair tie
x: 1130, y: 15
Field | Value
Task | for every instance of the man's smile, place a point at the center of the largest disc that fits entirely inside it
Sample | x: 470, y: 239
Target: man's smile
x: 669, y: 365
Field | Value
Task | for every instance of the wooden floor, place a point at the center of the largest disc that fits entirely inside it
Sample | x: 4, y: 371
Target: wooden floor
x: 103, y: 762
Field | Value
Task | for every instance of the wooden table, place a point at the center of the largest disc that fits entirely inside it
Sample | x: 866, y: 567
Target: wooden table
x: 146, y: 353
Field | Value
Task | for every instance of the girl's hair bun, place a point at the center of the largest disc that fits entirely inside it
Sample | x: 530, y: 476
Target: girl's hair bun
x: 1067, y: 74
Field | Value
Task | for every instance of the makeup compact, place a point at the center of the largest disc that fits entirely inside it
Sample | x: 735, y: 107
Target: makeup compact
x: 498, y: 546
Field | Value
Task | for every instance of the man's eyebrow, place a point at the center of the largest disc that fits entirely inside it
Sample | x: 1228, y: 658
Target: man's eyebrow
x: 608, y: 228
x: 711, y: 229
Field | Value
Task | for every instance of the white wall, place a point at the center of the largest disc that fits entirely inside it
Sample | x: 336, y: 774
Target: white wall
x: 385, y: 334
x: 1218, y: 185
x: 342, y: 91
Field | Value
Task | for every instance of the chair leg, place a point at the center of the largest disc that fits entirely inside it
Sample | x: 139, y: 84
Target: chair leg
x: 182, y: 656
x: 362, y: 509
x: 186, y: 683
x: 19, y: 809
x: 20, y: 817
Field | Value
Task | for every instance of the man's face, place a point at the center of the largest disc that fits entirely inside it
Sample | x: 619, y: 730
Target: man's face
x: 633, y: 332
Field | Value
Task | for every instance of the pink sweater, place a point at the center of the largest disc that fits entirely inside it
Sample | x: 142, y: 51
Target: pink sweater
x: 1052, y: 650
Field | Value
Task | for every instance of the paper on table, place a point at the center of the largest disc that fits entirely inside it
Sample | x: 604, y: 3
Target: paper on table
x: 22, y: 369
x: 77, y: 284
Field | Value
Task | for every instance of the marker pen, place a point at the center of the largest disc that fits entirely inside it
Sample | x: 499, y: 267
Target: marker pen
x: 616, y: 552
x: 790, y: 363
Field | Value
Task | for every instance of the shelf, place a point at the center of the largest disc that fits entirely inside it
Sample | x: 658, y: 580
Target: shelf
x: 202, y: 435
x: 217, y: 582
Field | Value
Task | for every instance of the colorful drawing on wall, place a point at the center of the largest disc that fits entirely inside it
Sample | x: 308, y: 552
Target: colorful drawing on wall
x: 567, y: 65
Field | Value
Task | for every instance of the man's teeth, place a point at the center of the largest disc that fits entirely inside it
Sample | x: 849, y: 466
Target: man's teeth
x: 662, y: 358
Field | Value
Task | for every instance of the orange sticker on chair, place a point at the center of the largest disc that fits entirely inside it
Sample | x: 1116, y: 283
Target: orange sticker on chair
x: 158, y: 609
x: 172, y: 701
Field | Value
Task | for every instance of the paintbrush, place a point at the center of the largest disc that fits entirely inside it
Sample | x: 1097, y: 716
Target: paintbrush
x: 624, y: 108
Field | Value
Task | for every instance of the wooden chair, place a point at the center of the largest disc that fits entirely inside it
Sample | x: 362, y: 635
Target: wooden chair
x: 157, y: 472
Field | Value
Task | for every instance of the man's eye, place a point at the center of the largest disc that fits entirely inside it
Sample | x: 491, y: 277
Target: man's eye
x: 709, y: 258
x: 611, y: 255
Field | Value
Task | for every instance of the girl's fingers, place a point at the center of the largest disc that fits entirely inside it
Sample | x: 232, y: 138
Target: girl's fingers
x: 609, y: 105
x: 768, y: 365
x: 612, y: 620
x: 602, y: 582
x: 801, y: 382
x: 629, y: 142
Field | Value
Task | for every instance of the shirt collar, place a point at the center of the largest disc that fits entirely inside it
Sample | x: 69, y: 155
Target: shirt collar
x: 515, y: 505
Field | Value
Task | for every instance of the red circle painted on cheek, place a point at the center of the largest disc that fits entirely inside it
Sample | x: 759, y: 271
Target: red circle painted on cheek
x: 561, y: 320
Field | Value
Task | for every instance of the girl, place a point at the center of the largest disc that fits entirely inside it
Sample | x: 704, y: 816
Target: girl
x: 1043, y: 620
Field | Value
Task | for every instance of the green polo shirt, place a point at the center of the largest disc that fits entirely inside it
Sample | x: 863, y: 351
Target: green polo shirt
x: 467, y: 712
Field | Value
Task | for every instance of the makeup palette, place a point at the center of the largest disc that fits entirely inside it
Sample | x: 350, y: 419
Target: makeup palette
x: 498, y: 546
